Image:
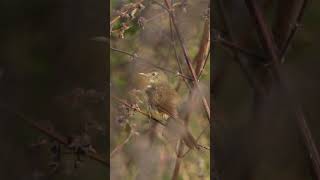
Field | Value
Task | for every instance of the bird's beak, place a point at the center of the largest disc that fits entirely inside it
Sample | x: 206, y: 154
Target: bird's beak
x: 143, y: 74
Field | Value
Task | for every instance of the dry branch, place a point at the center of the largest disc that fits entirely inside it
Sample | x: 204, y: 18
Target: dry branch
x: 138, y: 110
x: 177, y: 165
x: 234, y: 46
x: 185, y: 54
x: 134, y: 6
x: 121, y: 145
x: 135, y: 56
x: 200, y: 58
x: 293, y: 31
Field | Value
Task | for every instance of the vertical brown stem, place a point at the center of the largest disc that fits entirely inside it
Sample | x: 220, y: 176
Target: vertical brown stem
x: 177, y: 165
x: 200, y: 58
x: 293, y: 31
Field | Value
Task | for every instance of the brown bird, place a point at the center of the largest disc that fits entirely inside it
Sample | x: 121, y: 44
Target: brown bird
x: 164, y: 99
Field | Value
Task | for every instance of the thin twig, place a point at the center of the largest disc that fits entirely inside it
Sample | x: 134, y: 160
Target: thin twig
x: 293, y: 31
x: 204, y: 47
x: 205, y: 63
x: 138, y: 110
x: 161, y: 5
x: 115, y: 19
x: 219, y: 39
x: 162, y: 13
x: 173, y: 42
x: 201, y: 133
x: 120, y: 146
x: 177, y: 165
x: 135, y: 56
x: 264, y: 32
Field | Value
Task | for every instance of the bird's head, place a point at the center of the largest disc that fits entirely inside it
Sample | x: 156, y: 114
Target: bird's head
x: 154, y: 77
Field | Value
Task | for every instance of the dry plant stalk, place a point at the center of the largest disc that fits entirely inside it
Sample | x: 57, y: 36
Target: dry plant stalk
x: 204, y: 47
x: 200, y: 61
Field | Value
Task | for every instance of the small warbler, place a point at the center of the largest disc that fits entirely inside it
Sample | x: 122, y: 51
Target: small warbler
x: 164, y: 99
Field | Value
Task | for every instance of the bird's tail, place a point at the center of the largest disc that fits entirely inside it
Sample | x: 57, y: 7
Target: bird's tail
x: 179, y: 128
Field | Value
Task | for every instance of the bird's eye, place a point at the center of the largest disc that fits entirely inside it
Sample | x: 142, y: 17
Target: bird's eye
x: 153, y: 74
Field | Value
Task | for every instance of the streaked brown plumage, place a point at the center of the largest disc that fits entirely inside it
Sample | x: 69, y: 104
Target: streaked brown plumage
x: 163, y: 98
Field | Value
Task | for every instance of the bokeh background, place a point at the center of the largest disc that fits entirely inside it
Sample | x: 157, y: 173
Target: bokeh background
x: 269, y: 147
x: 47, y: 53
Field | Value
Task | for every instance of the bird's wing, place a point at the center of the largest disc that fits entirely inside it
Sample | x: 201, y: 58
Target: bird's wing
x: 167, y: 102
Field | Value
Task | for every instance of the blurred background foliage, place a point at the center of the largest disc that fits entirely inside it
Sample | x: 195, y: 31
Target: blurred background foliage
x: 143, y: 157
x: 46, y: 54
x: 271, y: 146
